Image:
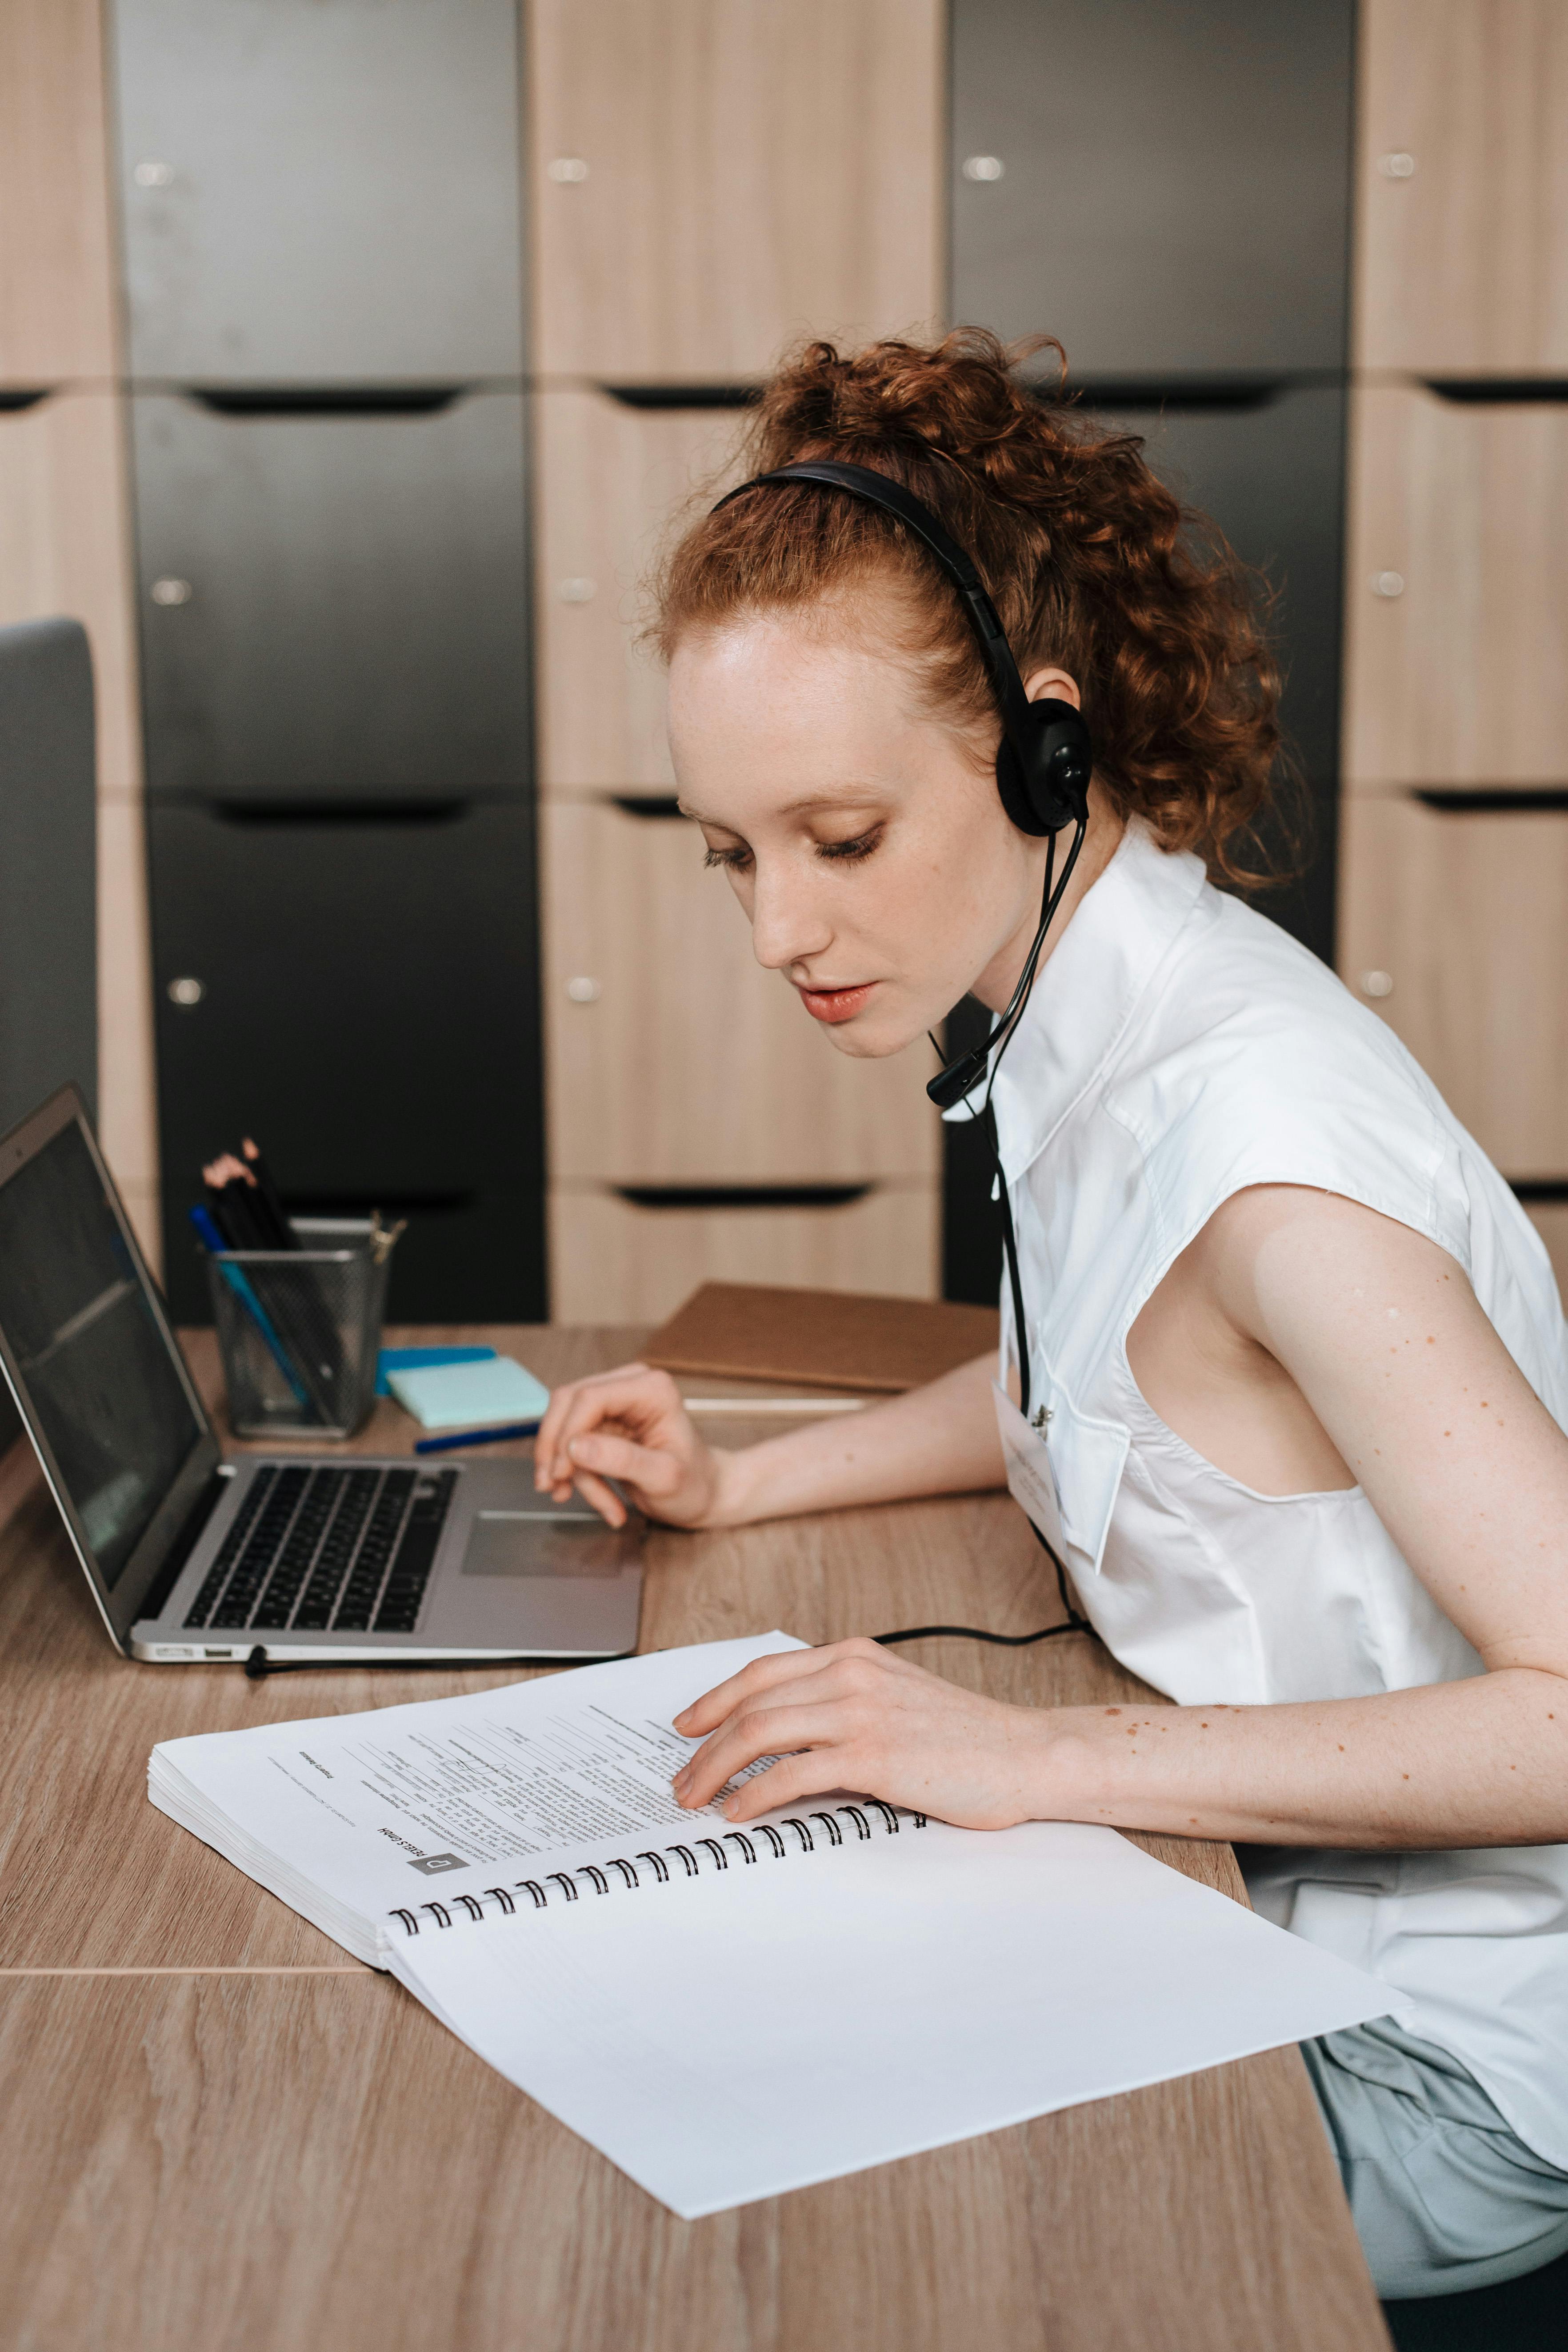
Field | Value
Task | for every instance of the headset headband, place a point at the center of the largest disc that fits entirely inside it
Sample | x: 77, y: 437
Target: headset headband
x: 892, y: 496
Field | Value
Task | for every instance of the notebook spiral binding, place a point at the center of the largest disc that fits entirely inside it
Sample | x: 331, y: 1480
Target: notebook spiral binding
x: 658, y: 1861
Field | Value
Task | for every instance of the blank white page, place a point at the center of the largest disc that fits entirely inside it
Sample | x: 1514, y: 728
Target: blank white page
x: 728, y: 2037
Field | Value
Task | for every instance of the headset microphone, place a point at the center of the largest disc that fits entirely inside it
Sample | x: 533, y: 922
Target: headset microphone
x: 1044, y: 758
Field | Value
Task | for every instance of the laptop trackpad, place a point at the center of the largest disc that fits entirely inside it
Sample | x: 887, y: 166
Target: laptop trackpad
x: 533, y: 1543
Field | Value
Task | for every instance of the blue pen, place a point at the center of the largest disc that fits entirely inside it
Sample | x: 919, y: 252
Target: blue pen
x: 475, y: 1437
x: 212, y: 1240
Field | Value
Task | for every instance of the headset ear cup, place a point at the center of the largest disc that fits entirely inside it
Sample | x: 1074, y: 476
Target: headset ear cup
x: 1017, y: 797
x: 1047, y: 787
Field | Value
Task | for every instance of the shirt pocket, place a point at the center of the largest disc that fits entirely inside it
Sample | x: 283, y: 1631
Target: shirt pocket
x: 1087, y: 1456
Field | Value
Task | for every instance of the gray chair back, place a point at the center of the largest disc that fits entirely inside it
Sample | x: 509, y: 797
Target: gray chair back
x: 48, y: 876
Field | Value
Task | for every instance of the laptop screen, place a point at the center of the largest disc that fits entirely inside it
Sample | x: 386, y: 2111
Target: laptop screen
x: 90, y: 1349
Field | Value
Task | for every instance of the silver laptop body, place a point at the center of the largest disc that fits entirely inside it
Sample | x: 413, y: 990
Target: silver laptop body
x: 299, y: 1556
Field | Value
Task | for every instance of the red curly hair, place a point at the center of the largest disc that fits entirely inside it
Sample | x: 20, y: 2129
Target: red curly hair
x: 1092, y: 563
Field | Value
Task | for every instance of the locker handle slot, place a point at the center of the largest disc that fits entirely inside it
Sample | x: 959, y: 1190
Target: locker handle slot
x: 683, y: 395
x: 1226, y: 394
x: 1542, y: 1191
x: 1499, y: 391
x: 258, y: 813
x: 741, y: 1196
x: 16, y: 397
x: 327, y: 399
x: 1514, y: 800
x: 662, y: 805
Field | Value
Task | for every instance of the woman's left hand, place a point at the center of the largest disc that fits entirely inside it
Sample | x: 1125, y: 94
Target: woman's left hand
x: 853, y: 1715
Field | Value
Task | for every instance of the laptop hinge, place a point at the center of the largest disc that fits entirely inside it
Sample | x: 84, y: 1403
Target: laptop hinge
x: 156, y: 1597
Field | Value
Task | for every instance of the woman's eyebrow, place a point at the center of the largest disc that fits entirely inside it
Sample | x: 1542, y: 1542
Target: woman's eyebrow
x: 841, y: 805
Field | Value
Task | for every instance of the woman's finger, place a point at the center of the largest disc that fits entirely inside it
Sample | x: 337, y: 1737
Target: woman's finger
x: 579, y: 1406
x: 790, y: 1781
x: 555, y: 1412
x: 755, y: 1733
x: 648, y: 1405
x: 643, y: 1466
x: 604, y: 1499
x: 705, y: 1714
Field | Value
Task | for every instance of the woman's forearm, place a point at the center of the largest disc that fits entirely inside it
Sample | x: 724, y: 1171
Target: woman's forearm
x: 937, y: 1440
x: 1475, y: 1763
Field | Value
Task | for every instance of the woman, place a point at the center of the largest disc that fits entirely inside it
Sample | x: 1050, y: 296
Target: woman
x: 1300, y: 1352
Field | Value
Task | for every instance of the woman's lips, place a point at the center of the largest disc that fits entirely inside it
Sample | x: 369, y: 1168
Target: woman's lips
x: 836, y: 1003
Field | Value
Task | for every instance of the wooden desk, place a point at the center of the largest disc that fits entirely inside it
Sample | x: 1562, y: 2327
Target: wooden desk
x: 219, y: 2130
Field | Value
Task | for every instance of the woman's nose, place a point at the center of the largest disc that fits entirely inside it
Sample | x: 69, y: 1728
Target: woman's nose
x: 786, y: 927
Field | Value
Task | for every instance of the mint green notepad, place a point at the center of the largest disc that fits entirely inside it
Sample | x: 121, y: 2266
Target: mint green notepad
x: 461, y: 1396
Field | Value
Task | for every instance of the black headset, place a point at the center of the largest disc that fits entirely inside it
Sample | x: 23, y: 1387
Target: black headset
x: 1044, y: 758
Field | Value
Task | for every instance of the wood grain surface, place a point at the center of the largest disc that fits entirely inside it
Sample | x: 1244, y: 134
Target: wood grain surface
x: 277, y: 2148
x: 734, y: 177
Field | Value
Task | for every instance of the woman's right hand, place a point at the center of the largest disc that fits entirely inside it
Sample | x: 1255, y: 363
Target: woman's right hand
x: 628, y: 1424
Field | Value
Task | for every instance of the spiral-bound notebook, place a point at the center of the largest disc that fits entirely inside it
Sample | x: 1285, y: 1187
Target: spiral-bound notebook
x: 728, y: 2013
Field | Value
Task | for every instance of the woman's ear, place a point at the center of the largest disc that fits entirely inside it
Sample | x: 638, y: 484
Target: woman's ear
x: 1052, y: 685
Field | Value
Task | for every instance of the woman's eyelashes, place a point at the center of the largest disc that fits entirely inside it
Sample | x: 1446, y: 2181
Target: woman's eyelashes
x: 735, y: 859
x: 850, y: 852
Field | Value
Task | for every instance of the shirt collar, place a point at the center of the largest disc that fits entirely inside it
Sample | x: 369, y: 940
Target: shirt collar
x: 1085, y: 993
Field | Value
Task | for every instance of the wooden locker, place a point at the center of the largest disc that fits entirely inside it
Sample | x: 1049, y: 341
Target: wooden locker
x: 613, y: 484
x: 1456, y: 599
x: 58, y: 292
x: 1462, y: 201
x: 711, y: 178
x: 1454, y: 925
x: 670, y: 1054
x: 614, y: 1262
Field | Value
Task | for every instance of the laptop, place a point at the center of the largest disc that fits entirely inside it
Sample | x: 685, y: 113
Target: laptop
x: 294, y: 1556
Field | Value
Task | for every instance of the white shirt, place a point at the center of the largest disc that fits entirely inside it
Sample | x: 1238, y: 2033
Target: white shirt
x: 1178, y: 1046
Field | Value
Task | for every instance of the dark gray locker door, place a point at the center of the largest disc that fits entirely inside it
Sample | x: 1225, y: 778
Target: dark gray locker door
x: 1271, y: 474
x: 333, y: 605
x: 360, y: 994
x: 1176, y: 180
x: 321, y: 190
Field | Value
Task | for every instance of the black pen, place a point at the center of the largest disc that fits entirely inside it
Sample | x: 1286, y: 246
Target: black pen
x: 277, y: 1215
x: 449, y: 1444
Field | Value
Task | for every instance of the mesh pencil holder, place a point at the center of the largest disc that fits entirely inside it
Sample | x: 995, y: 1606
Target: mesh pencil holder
x: 299, y: 1330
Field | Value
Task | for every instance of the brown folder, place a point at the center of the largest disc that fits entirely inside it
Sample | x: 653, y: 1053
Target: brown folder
x: 820, y: 1339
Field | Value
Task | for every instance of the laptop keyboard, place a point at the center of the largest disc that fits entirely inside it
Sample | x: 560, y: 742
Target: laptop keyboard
x: 330, y: 1549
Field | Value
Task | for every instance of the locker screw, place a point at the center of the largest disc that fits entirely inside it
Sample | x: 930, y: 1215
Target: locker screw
x: 186, y: 992
x: 170, y: 592
x: 151, y: 174
x: 983, y: 167
x: 1397, y: 167
x: 577, y: 592
x: 583, y: 991
x: 567, y: 169
x: 1377, y: 983
x: 1388, y: 583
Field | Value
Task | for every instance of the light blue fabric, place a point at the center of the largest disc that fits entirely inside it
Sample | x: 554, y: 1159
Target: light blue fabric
x: 1444, y: 2195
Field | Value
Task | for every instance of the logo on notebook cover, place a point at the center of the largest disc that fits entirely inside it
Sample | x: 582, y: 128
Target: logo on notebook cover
x: 431, y: 1863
